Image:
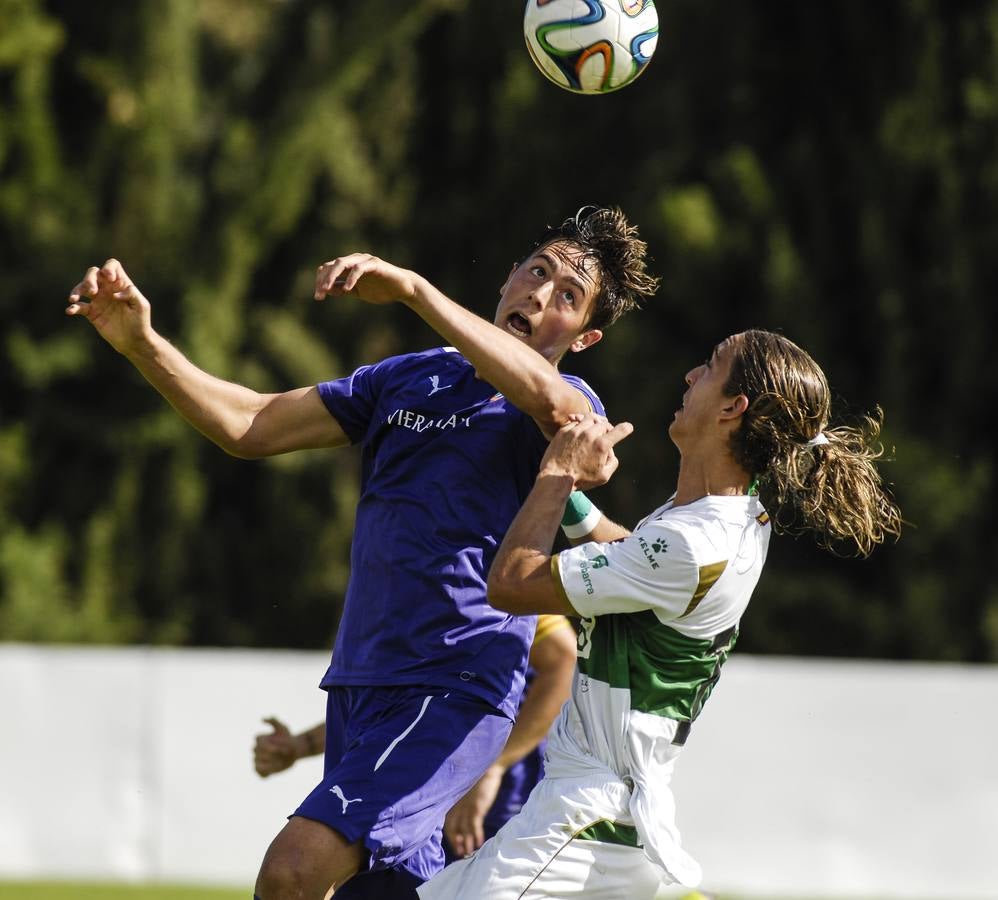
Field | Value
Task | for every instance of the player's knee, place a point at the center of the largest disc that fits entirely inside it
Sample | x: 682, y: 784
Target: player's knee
x: 297, y: 870
x: 281, y: 879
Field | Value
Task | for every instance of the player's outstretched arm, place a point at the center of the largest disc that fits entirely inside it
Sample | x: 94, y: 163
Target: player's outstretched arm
x: 522, y: 374
x: 552, y: 657
x: 280, y: 749
x: 241, y: 421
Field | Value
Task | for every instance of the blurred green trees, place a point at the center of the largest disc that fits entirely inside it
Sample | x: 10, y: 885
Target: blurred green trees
x: 827, y: 171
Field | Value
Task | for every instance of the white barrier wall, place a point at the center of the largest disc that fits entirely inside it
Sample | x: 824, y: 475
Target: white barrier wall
x: 801, y: 778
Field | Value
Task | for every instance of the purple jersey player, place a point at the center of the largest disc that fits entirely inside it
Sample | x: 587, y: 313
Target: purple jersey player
x: 501, y: 792
x: 425, y: 676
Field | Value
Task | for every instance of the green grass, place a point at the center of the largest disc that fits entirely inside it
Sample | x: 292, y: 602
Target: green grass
x: 88, y: 890
x: 73, y: 890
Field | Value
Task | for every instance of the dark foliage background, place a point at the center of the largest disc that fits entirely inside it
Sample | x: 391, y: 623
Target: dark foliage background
x: 826, y: 170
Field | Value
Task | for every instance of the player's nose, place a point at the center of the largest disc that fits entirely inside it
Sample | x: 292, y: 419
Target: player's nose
x: 541, y: 296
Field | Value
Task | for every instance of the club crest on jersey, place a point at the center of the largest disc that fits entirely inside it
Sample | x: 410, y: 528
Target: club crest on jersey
x: 406, y: 418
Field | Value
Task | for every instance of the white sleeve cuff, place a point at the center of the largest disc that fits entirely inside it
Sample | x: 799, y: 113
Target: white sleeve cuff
x: 586, y: 526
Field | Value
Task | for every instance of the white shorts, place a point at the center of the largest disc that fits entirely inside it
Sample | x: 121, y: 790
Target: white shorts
x: 561, y: 844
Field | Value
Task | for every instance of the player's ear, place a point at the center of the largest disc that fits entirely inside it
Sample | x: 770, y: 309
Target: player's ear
x: 586, y: 339
x: 505, y: 284
x: 734, y: 406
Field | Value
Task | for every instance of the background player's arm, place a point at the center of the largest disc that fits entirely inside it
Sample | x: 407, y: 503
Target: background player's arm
x: 280, y: 749
x: 553, y: 660
x: 241, y: 421
x: 524, y: 377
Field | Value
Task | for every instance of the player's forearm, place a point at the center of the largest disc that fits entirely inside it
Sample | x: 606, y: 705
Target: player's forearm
x: 605, y: 532
x: 222, y: 411
x: 585, y: 522
x: 523, y: 376
x: 520, y: 578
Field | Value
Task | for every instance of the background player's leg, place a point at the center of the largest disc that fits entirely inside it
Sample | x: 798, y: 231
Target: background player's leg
x: 305, y: 859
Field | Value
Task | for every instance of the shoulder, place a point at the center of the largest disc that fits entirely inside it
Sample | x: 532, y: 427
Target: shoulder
x: 448, y: 356
x: 405, y: 365
x: 584, y: 388
x: 708, y: 526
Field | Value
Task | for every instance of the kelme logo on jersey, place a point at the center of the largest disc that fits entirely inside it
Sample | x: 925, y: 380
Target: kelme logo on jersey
x: 414, y: 421
x: 599, y: 561
x: 651, y: 550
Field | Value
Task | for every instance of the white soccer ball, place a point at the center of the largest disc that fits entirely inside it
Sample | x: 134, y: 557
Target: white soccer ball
x: 591, y: 46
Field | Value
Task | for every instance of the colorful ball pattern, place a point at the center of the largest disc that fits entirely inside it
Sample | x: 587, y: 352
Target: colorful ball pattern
x: 591, y: 46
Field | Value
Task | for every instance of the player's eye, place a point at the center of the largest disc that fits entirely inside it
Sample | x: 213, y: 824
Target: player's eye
x: 569, y: 298
x: 538, y: 271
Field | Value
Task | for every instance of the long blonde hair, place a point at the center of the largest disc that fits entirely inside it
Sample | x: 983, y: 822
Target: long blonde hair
x: 813, y: 477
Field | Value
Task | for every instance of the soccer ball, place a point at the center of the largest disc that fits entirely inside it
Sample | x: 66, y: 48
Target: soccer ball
x: 591, y: 46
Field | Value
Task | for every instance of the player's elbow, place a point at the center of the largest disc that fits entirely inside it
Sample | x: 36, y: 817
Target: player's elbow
x: 243, y: 447
x: 554, y: 403
x: 504, y: 589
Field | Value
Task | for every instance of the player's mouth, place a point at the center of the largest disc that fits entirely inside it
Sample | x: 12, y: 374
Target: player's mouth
x: 519, y: 325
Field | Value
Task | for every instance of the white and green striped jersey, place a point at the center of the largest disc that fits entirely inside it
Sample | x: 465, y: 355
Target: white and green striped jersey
x: 660, y: 612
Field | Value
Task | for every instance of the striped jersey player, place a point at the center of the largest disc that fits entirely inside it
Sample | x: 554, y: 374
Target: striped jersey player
x: 660, y: 609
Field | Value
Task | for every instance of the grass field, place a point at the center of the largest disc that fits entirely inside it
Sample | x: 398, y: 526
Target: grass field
x: 72, y: 890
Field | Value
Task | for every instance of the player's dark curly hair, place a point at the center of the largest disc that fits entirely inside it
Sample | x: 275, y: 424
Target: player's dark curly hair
x: 832, y: 487
x: 605, y: 235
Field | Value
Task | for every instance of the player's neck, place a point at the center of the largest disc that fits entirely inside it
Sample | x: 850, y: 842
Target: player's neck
x: 706, y: 478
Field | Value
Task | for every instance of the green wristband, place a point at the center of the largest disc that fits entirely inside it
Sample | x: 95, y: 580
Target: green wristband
x: 576, y: 509
x: 581, y: 517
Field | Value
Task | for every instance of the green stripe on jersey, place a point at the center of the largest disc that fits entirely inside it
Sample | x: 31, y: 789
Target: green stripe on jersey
x: 610, y: 833
x: 667, y: 673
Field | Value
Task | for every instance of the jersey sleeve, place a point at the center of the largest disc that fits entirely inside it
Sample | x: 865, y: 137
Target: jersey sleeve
x: 654, y: 568
x: 587, y: 391
x: 548, y: 624
x: 353, y: 399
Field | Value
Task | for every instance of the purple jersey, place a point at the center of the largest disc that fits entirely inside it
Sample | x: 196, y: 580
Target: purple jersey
x: 447, y: 463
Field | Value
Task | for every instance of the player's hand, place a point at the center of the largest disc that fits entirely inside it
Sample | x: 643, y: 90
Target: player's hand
x: 365, y: 277
x: 464, y: 825
x: 583, y: 449
x: 113, y: 305
x: 276, y: 751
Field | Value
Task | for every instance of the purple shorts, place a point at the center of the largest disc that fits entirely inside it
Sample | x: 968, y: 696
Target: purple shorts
x: 514, y: 789
x: 397, y: 759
